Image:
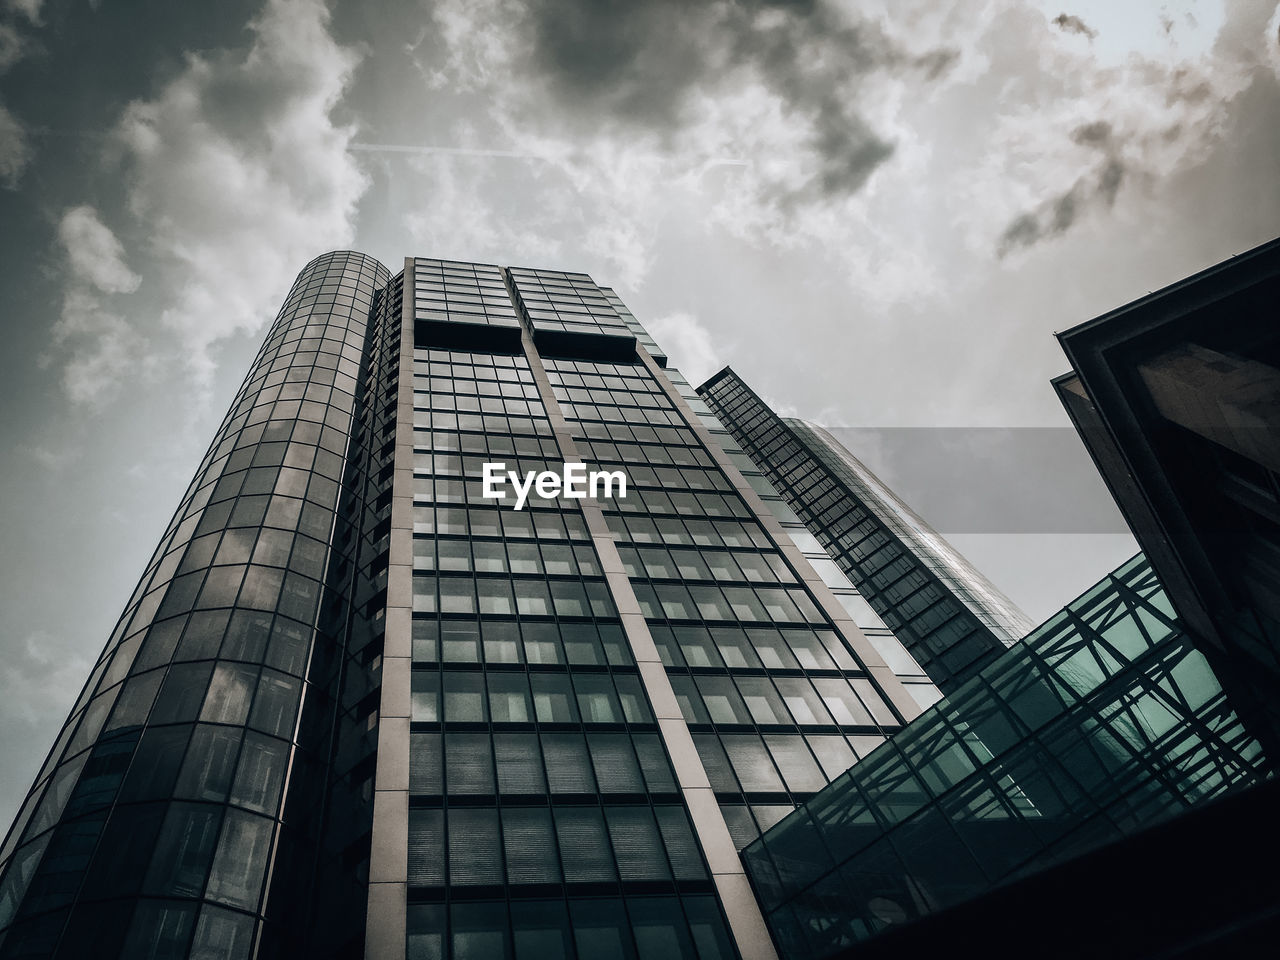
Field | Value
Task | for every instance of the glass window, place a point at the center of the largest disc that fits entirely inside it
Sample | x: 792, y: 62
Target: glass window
x: 229, y: 693
x: 426, y: 927
x: 182, y: 693
x: 833, y: 753
x: 552, y: 698
x: 841, y: 701
x: 501, y: 642
x: 803, y: 702
x: 568, y: 763
x: 426, y: 850
x: 792, y: 757
x: 464, y: 699
x: 762, y: 700
x: 468, y: 765
x: 519, y: 763
x: 184, y: 850
x: 475, y: 852
x: 774, y: 652
x: 457, y: 595
x: 596, y: 700
x: 542, y: 643
x: 530, y: 845
x: 722, y: 701
x: 495, y: 597
x: 584, y: 845
x: 735, y: 648
x: 570, y: 599
x: 809, y: 650
x: 600, y: 930
x: 660, y: 930
x: 222, y: 935
x: 697, y: 647
x: 211, y: 758
x: 532, y: 598
x: 260, y: 774
x: 509, y: 698
x: 460, y: 641
x: 426, y: 696
x: 425, y: 756
x: 540, y: 929
x: 275, y: 704
x: 236, y: 877
x: 751, y: 763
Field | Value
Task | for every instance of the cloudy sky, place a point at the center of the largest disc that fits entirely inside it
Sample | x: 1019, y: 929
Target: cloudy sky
x: 877, y: 210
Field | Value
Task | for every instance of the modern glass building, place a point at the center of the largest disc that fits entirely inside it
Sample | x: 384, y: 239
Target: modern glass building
x: 951, y: 619
x: 358, y: 708
x: 1177, y: 397
x: 1104, y: 721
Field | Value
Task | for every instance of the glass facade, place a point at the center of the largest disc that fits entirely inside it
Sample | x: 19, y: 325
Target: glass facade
x: 545, y: 819
x: 1103, y: 721
x: 157, y: 827
x: 904, y: 580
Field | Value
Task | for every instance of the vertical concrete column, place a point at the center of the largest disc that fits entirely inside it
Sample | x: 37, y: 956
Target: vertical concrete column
x: 385, y: 937
x: 736, y: 897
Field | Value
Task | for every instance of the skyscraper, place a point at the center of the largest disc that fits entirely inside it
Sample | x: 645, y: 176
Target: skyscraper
x: 360, y: 706
x: 951, y: 619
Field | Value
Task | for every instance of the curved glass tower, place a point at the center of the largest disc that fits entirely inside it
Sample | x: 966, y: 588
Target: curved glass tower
x: 158, y: 825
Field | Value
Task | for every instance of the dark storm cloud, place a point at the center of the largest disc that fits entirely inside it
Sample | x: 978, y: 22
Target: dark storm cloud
x: 1069, y: 23
x: 1057, y: 215
x: 1098, y: 187
x: 642, y: 63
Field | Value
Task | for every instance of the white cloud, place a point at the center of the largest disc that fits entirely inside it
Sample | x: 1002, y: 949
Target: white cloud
x: 15, y: 149
x: 99, y: 348
x: 688, y: 343
x: 94, y: 252
x: 30, y: 9
x: 11, y: 50
x: 239, y: 174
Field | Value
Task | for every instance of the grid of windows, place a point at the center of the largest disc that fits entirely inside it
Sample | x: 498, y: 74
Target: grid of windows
x: 536, y: 765
x: 554, y: 301
x: 446, y: 291
x: 1103, y: 721
x: 641, y: 334
x: 167, y: 783
x: 775, y: 700
x: 951, y: 624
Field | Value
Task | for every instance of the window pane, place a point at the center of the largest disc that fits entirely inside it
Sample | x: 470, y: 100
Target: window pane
x: 236, y: 877
x: 530, y: 845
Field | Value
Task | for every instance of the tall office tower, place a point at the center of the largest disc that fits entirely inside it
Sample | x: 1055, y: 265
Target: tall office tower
x: 951, y: 619
x: 358, y: 706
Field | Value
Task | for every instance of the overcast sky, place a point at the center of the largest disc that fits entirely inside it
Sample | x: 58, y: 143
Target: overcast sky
x: 878, y: 212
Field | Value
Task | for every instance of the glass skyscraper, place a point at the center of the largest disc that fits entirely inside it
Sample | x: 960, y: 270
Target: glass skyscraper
x: 357, y: 707
x: 951, y: 619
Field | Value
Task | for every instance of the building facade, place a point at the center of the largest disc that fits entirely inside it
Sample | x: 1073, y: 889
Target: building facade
x: 357, y: 707
x: 951, y: 619
x: 1177, y: 397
